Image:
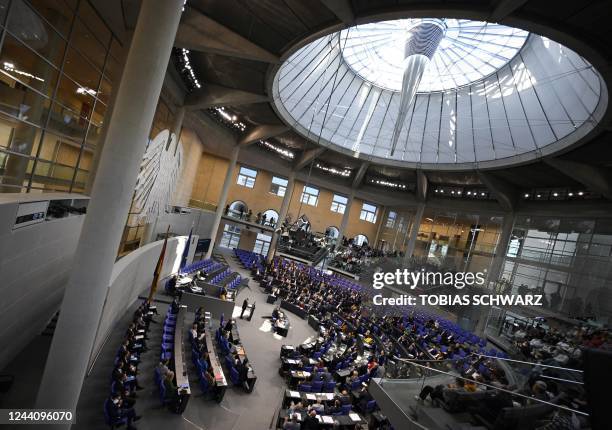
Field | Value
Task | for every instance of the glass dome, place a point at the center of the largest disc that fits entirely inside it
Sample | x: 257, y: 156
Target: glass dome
x: 469, y: 51
x: 489, y: 96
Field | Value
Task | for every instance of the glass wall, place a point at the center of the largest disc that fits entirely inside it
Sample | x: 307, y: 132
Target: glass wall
x: 458, y: 241
x: 567, y: 260
x: 58, y: 63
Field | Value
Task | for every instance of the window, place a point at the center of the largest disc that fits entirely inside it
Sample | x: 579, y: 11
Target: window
x: 332, y: 232
x: 339, y: 204
x: 391, y: 219
x: 231, y: 236
x: 278, y: 186
x: 271, y: 217
x: 368, y: 212
x: 246, y: 177
x: 262, y: 244
x: 237, y: 209
x: 310, y: 195
x: 360, y: 239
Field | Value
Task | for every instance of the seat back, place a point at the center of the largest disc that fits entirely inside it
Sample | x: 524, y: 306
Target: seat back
x: 346, y: 409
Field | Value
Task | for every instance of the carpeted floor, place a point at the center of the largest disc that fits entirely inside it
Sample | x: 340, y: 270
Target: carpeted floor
x: 238, y: 410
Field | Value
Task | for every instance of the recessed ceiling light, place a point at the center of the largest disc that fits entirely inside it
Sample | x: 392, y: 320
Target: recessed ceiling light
x: 526, y: 195
x: 570, y: 194
x: 556, y: 194
x: 580, y: 193
x: 539, y: 195
x: 482, y: 194
x: 469, y: 192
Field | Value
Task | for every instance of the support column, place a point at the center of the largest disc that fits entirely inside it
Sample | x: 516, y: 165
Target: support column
x: 229, y: 176
x: 281, y: 216
x: 379, y: 229
x: 111, y: 196
x: 501, y: 248
x: 345, y: 217
x: 178, y: 126
x: 414, y: 231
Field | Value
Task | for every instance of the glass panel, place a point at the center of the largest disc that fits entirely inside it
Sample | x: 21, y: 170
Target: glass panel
x: 35, y: 32
x: 83, y: 73
x: 19, y: 136
x: 25, y: 104
x: 68, y: 123
x: 87, y: 44
x: 23, y: 65
x: 72, y: 96
x: 58, y: 12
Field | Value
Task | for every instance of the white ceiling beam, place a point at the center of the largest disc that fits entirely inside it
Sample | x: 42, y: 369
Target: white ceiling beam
x: 422, y: 186
x: 505, y: 194
x: 360, y: 174
x: 198, y: 32
x: 217, y: 96
x: 595, y: 178
x: 307, y: 157
x: 262, y: 132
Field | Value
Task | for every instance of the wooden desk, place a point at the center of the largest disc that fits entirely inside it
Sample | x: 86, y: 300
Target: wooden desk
x: 220, y: 381
x: 180, y: 369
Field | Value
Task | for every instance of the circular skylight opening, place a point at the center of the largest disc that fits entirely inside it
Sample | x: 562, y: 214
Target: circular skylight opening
x: 468, y: 51
x: 439, y: 93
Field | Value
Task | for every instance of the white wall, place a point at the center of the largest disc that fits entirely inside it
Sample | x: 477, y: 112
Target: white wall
x: 34, y: 266
x: 200, y: 220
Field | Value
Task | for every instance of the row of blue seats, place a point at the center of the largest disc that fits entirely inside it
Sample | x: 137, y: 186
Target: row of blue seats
x: 225, y: 347
x: 167, y: 352
x: 249, y: 260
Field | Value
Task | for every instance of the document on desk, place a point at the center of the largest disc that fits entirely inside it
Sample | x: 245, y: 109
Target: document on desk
x: 355, y: 417
x: 310, y: 396
x: 294, y: 394
x: 139, y: 337
x: 327, y: 419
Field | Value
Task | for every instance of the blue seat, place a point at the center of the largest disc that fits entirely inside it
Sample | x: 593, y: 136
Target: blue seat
x: 330, y: 387
x: 355, y: 385
x: 371, y: 406
x: 317, y: 386
x: 234, y: 376
x: 109, y: 420
x: 204, y: 385
x: 346, y: 409
x: 306, y: 388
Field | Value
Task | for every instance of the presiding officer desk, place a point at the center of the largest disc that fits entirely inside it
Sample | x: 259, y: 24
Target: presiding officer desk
x: 220, y: 381
x: 180, y: 369
x: 326, y: 421
x: 251, y: 377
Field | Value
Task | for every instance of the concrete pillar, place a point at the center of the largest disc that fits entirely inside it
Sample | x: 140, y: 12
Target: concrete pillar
x: 229, y: 176
x: 381, y: 221
x: 177, y: 127
x: 282, y: 215
x: 192, y: 155
x: 414, y: 231
x: 345, y: 217
x: 501, y: 248
x: 111, y: 197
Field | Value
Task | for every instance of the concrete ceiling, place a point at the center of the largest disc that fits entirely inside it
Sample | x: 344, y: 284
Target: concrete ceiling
x: 259, y: 33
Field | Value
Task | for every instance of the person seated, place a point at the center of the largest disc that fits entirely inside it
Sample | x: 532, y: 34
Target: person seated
x: 291, y: 422
x: 296, y: 408
x: 172, y: 396
x: 336, y: 408
x: 345, y: 398
x: 118, y: 410
x: 163, y: 368
x: 318, y: 406
x: 436, y: 393
x: 311, y: 422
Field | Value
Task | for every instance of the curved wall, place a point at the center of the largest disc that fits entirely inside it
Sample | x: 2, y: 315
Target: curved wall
x: 35, y: 263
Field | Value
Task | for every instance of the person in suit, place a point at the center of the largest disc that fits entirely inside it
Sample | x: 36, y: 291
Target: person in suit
x: 291, y: 423
x: 310, y: 422
x: 245, y: 304
x: 118, y: 410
